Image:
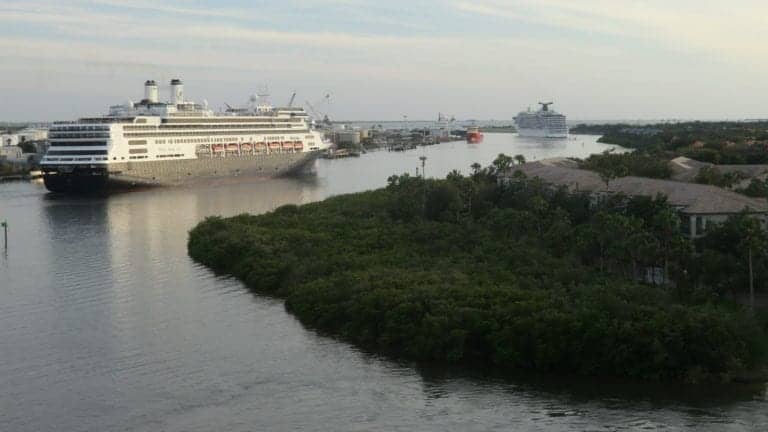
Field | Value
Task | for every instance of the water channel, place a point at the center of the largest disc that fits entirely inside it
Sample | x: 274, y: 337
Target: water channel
x: 107, y: 325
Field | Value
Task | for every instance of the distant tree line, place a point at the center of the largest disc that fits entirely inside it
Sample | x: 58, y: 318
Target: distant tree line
x: 714, y: 142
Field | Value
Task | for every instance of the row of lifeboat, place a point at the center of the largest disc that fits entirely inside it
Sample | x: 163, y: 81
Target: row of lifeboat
x: 291, y: 146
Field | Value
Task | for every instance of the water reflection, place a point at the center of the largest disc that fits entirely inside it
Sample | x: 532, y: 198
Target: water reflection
x: 576, y: 389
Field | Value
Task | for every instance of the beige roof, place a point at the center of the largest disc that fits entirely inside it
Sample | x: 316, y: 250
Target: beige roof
x: 690, y: 197
x: 685, y: 169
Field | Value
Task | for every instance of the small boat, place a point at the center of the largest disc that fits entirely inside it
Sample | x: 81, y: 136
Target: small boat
x: 218, y: 148
x: 232, y: 147
x: 274, y: 145
x: 298, y: 145
x: 246, y: 147
x: 474, y: 136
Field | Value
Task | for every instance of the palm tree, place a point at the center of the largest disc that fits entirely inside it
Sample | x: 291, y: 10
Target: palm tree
x: 752, y: 242
x: 520, y: 159
x: 501, y: 164
x: 476, y: 167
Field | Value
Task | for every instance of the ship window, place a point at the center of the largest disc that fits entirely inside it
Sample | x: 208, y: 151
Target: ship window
x: 78, y: 143
x: 137, y: 150
x: 76, y: 152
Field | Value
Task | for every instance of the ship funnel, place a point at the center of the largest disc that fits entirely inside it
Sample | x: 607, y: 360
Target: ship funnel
x: 150, y: 91
x: 177, y: 91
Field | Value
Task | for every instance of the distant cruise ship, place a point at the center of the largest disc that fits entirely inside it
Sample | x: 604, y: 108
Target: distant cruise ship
x: 165, y: 143
x: 543, y: 123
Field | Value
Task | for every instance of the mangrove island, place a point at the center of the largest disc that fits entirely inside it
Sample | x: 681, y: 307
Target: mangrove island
x: 515, y: 274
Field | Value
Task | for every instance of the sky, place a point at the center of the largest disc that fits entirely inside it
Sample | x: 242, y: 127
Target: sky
x: 382, y: 60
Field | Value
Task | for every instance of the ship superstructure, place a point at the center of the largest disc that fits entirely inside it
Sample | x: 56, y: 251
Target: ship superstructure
x: 154, y: 142
x: 543, y: 123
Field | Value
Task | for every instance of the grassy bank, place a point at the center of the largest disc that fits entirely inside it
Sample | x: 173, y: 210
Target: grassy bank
x: 463, y: 271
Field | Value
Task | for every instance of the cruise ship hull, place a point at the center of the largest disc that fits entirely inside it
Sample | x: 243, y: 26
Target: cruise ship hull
x: 541, y: 133
x: 89, y: 178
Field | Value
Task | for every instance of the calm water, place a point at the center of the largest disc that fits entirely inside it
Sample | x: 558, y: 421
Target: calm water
x: 106, y: 325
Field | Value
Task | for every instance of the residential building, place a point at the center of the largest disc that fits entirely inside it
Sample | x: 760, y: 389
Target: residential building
x: 698, y: 205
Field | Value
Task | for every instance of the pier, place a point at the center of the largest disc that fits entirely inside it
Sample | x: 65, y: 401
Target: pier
x: 353, y: 141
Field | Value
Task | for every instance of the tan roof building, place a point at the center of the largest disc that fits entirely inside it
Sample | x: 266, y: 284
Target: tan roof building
x: 698, y: 204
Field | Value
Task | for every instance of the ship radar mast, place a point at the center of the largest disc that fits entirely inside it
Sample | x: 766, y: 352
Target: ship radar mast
x: 260, y: 101
x: 545, y: 105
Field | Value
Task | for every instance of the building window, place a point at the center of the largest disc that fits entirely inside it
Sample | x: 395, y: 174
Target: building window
x: 699, y: 225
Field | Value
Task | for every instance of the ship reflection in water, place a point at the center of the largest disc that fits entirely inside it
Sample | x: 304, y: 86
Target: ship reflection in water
x: 549, y: 147
x: 106, y: 324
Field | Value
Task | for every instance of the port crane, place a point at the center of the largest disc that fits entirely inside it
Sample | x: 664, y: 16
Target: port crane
x: 316, y: 113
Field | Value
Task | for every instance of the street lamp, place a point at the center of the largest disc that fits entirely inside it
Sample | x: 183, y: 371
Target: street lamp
x: 423, y: 160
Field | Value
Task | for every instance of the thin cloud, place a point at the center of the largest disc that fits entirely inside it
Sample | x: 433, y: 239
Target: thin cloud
x: 165, y: 8
x: 732, y: 30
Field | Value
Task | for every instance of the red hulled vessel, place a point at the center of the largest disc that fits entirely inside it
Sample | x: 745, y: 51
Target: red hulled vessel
x: 474, y: 136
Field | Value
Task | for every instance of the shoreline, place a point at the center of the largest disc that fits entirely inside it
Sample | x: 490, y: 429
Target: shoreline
x: 29, y: 175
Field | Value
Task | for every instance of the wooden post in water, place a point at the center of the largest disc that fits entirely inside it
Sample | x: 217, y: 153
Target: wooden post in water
x: 4, y: 224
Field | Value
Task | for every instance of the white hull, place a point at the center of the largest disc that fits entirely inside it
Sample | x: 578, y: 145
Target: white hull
x: 541, y: 133
x: 543, y: 123
x: 178, y: 141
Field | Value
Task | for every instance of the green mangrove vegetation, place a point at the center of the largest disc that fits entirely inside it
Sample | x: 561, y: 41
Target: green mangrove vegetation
x: 517, y: 275
x: 757, y: 188
x: 640, y: 164
x: 712, y: 175
x: 726, y: 142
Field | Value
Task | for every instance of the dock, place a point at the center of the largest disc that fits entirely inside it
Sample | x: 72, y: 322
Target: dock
x: 340, y: 153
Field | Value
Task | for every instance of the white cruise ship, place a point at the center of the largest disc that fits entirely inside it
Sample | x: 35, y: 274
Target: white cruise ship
x: 166, y: 143
x: 543, y: 123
